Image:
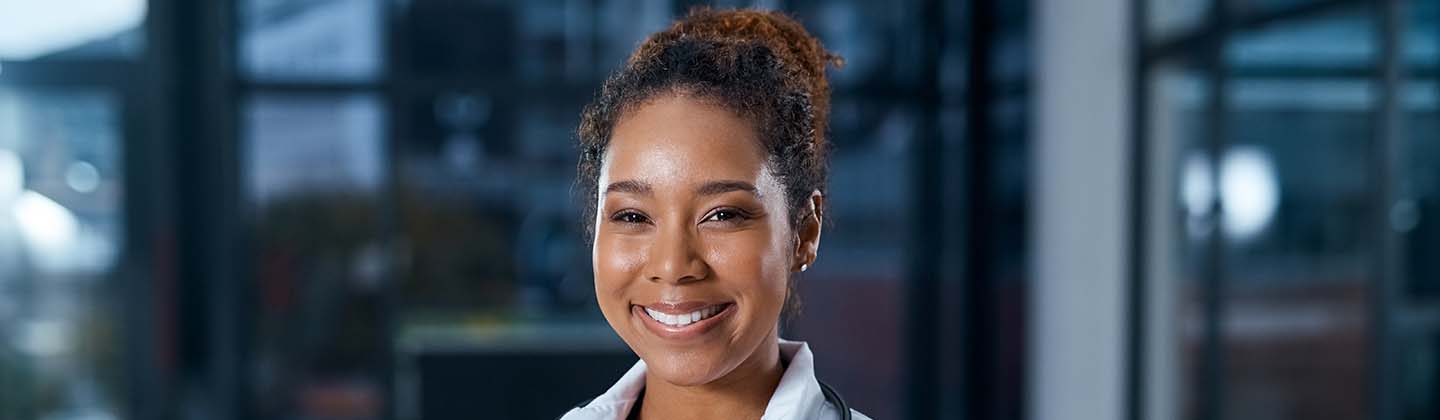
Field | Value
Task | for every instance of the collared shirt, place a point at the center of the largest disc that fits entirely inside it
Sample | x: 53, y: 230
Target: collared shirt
x: 798, y: 397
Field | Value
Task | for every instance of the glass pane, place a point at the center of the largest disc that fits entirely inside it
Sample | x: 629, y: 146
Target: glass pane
x: 61, y: 336
x: 1330, y: 43
x: 486, y: 211
x: 326, y: 40
x: 1295, y: 187
x: 1297, y: 262
x: 1171, y: 18
x: 1422, y: 39
x: 1417, y: 218
x: 870, y: 36
x: 623, y: 24
x: 65, y: 29
x: 314, y: 172
x: 555, y: 37
x: 303, y: 145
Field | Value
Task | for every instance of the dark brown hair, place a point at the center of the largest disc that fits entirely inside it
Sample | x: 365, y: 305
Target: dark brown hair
x: 760, y: 64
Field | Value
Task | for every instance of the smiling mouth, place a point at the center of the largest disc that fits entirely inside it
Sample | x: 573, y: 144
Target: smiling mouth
x: 683, y: 319
x: 682, y: 322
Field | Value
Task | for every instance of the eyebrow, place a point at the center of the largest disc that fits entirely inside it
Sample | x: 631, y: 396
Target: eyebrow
x: 709, y: 188
x: 632, y: 187
x: 721, y: 187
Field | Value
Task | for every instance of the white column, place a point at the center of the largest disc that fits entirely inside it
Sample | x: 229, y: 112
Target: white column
x: 1079, y: 196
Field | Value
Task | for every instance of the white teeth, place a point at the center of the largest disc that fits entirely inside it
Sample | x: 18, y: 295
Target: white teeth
x: 682, y: 319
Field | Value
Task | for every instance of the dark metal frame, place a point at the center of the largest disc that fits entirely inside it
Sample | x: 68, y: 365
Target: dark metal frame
x: 1204, y: 47
x: 213, y: 300
x: 1387, y: 167
x: 981, y: 290
x: 1135, y: 390
x: 922, y: 289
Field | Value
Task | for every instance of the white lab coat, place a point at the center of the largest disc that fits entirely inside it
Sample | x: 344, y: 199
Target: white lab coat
x: 798, y: 397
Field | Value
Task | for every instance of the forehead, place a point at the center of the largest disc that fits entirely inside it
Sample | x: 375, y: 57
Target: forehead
x: 676, y: 138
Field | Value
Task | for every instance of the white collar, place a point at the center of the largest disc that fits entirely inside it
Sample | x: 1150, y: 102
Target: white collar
x: 797, y: 397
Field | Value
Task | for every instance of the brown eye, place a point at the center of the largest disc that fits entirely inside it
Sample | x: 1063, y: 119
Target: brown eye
x: 725, y: 215
x: 630, y: 217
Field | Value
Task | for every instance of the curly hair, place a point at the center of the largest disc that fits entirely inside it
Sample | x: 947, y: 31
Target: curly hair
x: 760, y: 64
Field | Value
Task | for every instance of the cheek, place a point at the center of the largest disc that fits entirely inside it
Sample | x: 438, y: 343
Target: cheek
x: 616, y: 265
x: 753, y: 262
x: 616, y: 262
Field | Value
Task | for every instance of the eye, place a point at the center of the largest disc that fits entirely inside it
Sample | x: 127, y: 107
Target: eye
x: 629, y: 216
x: 726, y: 215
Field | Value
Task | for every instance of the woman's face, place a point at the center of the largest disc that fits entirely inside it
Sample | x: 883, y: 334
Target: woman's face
x: 692, y: 249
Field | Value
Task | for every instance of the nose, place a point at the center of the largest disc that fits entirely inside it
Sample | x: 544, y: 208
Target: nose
x: 674, y: 257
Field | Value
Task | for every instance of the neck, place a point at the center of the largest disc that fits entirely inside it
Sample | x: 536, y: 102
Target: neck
x: 741, y: 394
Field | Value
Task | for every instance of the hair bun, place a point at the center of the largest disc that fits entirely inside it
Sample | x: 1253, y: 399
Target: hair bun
x: 795, y: 47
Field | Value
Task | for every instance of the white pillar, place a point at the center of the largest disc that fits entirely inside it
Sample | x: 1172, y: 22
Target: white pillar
x: 1079, y: 236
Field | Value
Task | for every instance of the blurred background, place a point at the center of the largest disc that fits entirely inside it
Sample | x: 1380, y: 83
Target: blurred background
x: 361, y: 209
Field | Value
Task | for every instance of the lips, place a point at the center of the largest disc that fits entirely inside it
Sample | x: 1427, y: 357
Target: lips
x: 682, y: 321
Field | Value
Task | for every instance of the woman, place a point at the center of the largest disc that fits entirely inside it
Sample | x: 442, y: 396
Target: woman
x: 703, y: 166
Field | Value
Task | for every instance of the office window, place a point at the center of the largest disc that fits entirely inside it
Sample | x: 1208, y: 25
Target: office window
x: 313, y: 176
x: 1276, y: 183
x: 328, y: 40
x: 62, y: 326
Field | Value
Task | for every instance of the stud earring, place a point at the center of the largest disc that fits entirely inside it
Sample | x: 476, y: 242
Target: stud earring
x: 804, y: 267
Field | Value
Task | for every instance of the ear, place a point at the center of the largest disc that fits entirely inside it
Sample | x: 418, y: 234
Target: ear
x: 807, y: 243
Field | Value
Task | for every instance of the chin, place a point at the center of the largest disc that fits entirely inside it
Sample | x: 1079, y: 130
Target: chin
x: 685, y: 369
